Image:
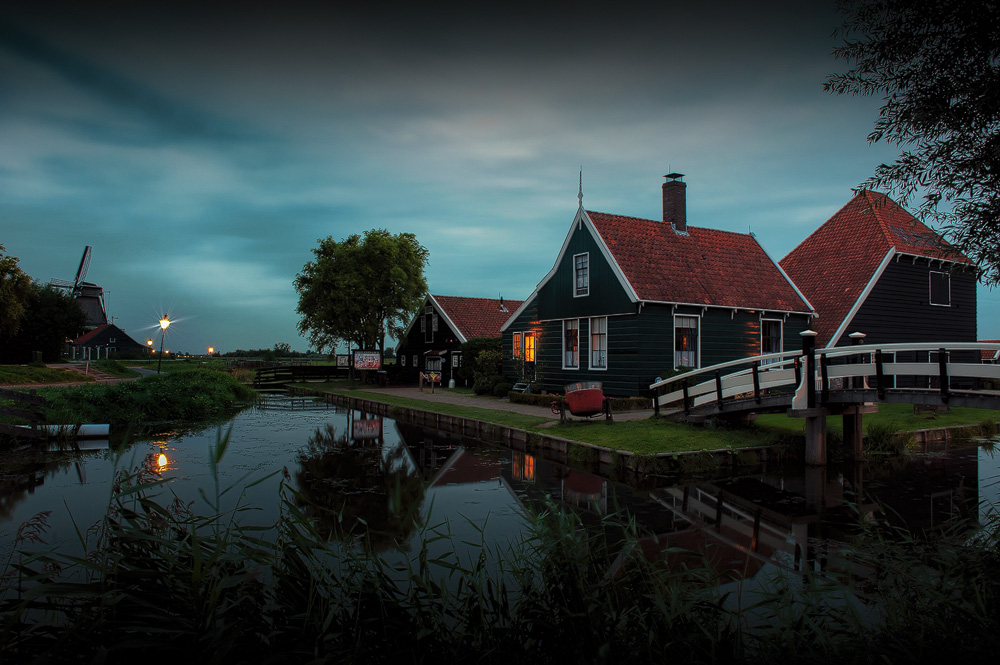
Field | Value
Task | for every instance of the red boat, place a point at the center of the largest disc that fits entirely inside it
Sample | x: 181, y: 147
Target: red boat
x: 583, y: 399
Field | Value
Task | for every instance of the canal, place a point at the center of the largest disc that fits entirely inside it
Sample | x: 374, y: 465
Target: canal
x: 349, y: 466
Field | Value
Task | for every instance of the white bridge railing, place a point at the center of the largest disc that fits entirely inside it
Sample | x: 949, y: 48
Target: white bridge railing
x: 837, y: 368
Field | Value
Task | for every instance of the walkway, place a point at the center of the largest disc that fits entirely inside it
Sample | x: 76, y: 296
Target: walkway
x: 486, y: 402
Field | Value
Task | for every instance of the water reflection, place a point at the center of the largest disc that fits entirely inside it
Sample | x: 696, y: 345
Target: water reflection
x: 356, y: 485
x: 361, y: 475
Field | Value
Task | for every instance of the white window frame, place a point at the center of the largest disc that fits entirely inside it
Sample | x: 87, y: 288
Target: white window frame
x: 578, y: 290
x: 454, y: 360
x: 565, y: 327
x: 781, y: 339
x: 402, y: 360
x: 604, y: 332
x: 930, y: 288
x: 673, y: 340
x: 534, y: 345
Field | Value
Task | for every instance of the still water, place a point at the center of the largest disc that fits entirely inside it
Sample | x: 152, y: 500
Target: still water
x: 347, y: 463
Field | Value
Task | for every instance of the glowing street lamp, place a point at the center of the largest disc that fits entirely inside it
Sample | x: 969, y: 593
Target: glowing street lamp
x: 164, y: 324
x: 211, y: 350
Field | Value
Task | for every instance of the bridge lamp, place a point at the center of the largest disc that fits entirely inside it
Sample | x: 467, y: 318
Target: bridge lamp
x: 164, y: 324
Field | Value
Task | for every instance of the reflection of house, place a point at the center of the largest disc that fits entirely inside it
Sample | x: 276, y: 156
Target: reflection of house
x: 433, y: 340
x: 104, y: 340
x: 631, y: 299
x: 873, y: 268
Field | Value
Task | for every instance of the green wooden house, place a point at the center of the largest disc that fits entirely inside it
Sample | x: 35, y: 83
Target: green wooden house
x: 629, y: 300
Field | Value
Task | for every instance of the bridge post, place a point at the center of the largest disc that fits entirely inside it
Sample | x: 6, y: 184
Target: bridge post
x: 853, y: 430
x: 815, y: 417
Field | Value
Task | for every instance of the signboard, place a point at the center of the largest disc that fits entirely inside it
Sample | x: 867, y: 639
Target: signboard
x: 367, y: 360
x: 343, y: 360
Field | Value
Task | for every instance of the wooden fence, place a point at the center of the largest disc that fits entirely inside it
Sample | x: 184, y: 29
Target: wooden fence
x: 31, y: 412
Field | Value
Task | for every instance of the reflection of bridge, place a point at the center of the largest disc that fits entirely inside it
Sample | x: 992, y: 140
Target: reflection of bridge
x: 815, y: 383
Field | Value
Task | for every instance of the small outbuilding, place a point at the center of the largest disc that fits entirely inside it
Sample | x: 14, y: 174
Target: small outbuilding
x: 433, y: 340
x: 102, y: 341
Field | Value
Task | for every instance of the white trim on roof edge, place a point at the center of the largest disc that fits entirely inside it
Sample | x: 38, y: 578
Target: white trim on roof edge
x: 838, y: 333
x: 580, y: 220
x: 785, y: 275
x: 438, y: 307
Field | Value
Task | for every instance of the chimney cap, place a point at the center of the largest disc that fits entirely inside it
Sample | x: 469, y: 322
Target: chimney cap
x: 674, y: 176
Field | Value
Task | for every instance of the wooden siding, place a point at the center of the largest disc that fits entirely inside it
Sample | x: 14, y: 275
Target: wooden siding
x: 640, y: 346
x: 414, y: 344
x: 898, y: 308
x: 607, y: 296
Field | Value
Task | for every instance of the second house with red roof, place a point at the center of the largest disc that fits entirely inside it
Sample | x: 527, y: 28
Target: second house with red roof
x: 433, y: 340
x: 629, y: 300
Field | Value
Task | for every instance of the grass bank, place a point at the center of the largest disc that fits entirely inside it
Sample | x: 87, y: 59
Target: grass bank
x: 644, y: 437
x: 193, y: 395
x: 17, y: 375
x: 659, y: 435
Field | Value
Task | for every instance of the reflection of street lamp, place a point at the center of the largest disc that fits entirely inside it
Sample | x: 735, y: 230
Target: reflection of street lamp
x: 164, y: 324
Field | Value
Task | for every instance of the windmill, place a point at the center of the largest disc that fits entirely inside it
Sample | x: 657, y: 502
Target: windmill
x: 89, y: 295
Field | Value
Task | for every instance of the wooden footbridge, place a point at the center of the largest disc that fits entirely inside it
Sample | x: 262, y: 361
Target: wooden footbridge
x: 847, y: 381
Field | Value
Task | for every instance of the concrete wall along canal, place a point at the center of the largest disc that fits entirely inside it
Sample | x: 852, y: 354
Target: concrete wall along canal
x: 603, y: 460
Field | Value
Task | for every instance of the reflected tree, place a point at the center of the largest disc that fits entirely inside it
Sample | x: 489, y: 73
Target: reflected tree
x: 359, y: 491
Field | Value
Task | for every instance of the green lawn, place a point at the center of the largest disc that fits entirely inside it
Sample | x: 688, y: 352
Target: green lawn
x: 26, y: 374
x: 649, y: 436
x: 899, y: 415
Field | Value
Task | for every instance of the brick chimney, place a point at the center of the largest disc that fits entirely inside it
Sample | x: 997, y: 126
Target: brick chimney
x: 675, y: 202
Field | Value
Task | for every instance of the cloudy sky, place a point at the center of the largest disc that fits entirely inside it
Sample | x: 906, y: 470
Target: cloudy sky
x: 203, y: 149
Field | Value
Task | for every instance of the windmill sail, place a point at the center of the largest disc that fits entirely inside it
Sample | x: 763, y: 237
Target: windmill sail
x: 89, y: 295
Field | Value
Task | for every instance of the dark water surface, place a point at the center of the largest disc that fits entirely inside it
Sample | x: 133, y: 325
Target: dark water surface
x: 347, y: 463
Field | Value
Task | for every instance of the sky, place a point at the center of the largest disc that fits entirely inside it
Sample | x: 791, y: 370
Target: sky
x: 203, y: 149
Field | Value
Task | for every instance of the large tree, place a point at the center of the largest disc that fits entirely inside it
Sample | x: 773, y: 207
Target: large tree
x: 361, y: 289
x: 936, y: 64
x: 15, y: 289
x: 51, y: 317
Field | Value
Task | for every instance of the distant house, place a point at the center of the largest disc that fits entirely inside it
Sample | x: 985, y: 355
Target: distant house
x: 875, y: 269
x: 433, y: 340
x: 628, y: 300
x: 102, y: 341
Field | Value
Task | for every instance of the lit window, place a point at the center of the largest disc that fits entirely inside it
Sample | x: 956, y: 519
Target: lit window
x: 571, y: 344
x: 685, y: 341
x: 517, y: 345
x: 940, y: 289
x: 529, y: 347
x: 581, y: 271
x: 599, y: 343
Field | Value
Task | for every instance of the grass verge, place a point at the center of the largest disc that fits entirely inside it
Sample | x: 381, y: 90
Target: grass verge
x: 645, y: 437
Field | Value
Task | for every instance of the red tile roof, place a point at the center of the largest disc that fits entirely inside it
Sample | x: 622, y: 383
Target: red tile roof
x: 836, y: 262
x: 476, y: 317
x: 989, y: 354
x: 703, y: 266
x: 90, y: 334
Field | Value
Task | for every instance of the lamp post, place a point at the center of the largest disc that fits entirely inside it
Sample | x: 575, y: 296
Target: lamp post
x: 164, y: 324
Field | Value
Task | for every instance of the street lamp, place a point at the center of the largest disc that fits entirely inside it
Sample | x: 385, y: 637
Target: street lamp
x: 164, y: 324
x: 211, y: 350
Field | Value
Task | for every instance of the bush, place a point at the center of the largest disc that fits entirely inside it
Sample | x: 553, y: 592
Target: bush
x: 502, y: 389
